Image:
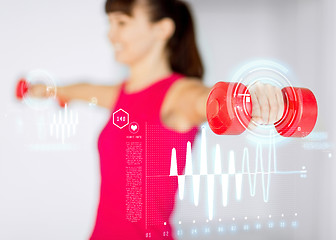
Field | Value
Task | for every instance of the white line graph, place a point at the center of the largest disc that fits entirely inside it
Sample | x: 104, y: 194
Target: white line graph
x: 265, y: 170
x: 64, y: 124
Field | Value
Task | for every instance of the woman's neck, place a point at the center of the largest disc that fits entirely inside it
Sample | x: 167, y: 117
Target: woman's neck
x: 147, y: 72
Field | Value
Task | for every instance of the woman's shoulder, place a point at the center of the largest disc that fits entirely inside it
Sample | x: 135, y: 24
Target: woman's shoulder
x: 186, y: 82
x: 186, y: 78
x: 177, y: 109
x: 181, y: 87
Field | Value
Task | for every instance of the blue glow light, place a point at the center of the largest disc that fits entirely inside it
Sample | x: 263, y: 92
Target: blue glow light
x: 207, y: 230
x: 294, y: 224
x: 282, y: 224
x: 233, y: 228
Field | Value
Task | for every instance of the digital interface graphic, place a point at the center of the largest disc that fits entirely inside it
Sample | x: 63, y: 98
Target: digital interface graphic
x: 63, y: 124
x: 222, y: 180
x: 226, y: 182
x: 263, y: 168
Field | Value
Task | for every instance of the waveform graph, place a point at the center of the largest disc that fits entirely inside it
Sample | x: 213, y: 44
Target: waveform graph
x: 64, y: 124
x: 242, y: 174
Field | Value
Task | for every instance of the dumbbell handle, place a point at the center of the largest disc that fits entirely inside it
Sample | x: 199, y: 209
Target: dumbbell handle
x: 22, y: 89
x: 229, y: 110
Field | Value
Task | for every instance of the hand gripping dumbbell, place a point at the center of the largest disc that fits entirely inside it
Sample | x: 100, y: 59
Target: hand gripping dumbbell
x: 229, y: 110
x: 22, y: 89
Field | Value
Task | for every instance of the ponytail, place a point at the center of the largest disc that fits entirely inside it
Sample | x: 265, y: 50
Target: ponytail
x: 184, y: 57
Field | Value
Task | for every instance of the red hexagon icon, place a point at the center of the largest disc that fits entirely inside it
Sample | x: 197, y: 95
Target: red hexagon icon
x: 120, y: 118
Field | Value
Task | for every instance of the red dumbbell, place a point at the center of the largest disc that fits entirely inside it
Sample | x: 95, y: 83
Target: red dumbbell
x: 229, y: 110
x: 22, y: 88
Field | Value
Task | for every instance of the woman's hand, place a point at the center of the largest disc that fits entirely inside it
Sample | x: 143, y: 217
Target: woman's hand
x: 267, y: 103
x: 41, y: 91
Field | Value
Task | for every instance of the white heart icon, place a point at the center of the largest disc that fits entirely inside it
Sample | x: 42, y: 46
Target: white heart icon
x: 134, y: 127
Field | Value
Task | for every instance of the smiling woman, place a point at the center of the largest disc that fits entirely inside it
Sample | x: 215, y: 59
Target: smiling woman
x: 171, y: 20
x: 156, y: 40
x: 164, y: 100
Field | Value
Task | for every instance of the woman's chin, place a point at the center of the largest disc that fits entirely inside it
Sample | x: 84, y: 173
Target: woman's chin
x: 122, y: 59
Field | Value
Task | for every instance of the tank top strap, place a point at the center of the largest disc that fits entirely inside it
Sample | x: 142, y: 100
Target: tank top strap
x: 160, y: 89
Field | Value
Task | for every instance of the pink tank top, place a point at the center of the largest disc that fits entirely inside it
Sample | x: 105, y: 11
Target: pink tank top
x: 137, y: 195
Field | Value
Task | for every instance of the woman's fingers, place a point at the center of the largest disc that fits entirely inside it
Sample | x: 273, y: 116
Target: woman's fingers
x: 263, y: 98
x: 271, y: 92
x: 38, y: 91
x: 256, y: 110
x: 260, y: 105
x: 267, y: 103
x: 281, y: 105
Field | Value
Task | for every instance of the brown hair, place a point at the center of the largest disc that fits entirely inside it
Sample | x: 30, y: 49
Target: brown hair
x: 184, y: 56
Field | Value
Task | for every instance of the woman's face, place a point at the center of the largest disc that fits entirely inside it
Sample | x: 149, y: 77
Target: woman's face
x: 133, y: 37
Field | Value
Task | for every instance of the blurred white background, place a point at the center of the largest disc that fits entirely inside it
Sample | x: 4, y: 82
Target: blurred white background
x: 49, y: 190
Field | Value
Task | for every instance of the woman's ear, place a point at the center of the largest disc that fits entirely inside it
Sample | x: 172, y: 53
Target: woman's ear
x: 166, y: 28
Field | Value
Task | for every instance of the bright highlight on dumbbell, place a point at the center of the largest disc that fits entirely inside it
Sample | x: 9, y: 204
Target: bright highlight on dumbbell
x: 229, y: 110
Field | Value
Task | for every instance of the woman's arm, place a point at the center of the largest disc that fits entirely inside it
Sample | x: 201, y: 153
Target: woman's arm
x: 194, y: 95
x: 104, y: 96
x: 185, y: 104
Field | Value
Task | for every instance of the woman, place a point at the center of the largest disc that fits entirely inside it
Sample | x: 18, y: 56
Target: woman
x: 165, y: 100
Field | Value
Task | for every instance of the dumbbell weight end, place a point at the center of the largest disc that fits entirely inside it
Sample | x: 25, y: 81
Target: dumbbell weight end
x: 229, y: 108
